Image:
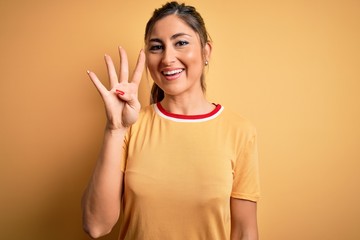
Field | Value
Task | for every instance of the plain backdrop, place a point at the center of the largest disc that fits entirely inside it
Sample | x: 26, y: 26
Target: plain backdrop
x: 291, y: 67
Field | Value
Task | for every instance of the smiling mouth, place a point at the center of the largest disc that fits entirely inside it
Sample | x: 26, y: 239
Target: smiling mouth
x: 172, y: 72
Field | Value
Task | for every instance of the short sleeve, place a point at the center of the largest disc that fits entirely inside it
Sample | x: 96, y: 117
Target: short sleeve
x: 246, y: 172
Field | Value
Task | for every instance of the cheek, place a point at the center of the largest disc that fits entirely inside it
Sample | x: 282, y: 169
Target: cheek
x: 151, y: 65
x: 194, y: 62
x: 152, y: 68
x: 194, y: 56
x: 153, y: 73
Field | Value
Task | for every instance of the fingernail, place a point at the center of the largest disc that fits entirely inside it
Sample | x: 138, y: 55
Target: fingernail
x: 119, y: 92
x: 88, y: 72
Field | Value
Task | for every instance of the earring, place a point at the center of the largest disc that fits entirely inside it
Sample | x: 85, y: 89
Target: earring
x: 206, y: 62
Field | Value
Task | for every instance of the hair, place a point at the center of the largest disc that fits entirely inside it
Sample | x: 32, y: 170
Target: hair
x: 193, y: 19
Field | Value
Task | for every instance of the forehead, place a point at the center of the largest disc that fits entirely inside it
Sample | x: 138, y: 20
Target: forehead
x: 170, y: 25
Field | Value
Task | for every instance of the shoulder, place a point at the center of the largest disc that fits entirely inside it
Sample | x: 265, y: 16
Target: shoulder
x: 238, y: 122
x: 146, y: 112
x: 147, y: 109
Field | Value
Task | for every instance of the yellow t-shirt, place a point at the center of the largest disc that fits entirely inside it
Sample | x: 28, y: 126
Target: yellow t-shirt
x: 180, y: 172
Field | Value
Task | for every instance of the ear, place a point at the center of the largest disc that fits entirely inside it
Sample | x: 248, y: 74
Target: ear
x: 207, y: 51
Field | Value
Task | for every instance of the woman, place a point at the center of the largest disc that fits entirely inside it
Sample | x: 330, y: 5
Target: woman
x: 181, y: 168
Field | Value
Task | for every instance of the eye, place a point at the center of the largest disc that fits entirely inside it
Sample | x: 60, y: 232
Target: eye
x: 155, y: 48
x: 182, y: 43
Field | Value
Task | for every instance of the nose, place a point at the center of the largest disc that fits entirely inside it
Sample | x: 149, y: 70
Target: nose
x: 169, y: 56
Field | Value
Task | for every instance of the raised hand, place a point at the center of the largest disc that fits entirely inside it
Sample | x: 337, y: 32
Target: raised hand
x: 121, y: 101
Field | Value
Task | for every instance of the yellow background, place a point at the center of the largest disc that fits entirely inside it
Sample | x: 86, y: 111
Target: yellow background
x: 292, y: 67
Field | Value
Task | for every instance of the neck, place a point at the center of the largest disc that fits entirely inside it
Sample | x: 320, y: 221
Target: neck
x: 189, y: 105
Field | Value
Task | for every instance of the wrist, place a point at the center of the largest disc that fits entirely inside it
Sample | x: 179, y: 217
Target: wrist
x: 115, y: 131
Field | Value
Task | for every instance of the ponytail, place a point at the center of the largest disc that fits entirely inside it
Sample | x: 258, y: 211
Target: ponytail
x: 156, y: 95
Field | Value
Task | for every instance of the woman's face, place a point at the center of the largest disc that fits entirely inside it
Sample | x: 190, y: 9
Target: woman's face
x: 175, y: 57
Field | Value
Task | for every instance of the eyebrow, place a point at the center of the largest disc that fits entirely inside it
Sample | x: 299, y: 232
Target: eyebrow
x: 172, y: 37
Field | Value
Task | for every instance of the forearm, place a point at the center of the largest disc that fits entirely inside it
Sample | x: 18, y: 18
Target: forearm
x: 238, y: 234
x: 253, y: 236
x: 243, y: 220
x: 101, y: 199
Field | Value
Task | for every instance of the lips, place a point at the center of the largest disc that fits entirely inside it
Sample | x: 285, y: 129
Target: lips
x: 171, y: 74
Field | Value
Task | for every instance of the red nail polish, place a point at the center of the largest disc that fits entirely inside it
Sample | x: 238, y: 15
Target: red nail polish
x: 119, y: 92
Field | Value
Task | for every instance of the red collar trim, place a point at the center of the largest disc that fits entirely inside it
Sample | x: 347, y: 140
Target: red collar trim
x: 179, y: 117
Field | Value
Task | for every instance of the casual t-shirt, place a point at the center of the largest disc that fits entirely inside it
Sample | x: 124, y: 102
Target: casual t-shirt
x: 180, y: 172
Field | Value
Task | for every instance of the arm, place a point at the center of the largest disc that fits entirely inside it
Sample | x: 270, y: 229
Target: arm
x: 102, y: 197
x: 243, y: 220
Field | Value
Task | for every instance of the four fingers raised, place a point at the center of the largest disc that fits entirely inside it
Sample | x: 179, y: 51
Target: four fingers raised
x: 124, y: 72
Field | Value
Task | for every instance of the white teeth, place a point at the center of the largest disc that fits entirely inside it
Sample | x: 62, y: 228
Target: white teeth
x: 173, y: 72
